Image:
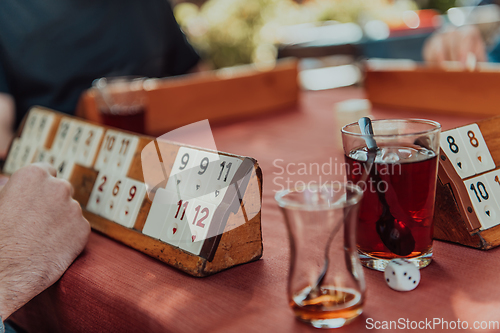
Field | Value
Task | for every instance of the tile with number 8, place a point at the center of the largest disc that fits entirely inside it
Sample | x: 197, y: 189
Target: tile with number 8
x: 482, y: 197
x: 130, y: 202
x: 452, y: 144
x: 476, y: 147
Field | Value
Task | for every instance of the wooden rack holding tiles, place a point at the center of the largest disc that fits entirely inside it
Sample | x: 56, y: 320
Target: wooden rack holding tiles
x: 468, y: 190
x: 200, y: 218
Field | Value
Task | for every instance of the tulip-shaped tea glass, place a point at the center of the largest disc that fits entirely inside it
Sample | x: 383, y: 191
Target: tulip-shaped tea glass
x: 395, y: 217
x: 326, y: 283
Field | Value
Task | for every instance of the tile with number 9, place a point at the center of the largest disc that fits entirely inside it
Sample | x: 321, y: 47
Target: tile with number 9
x: 130, y: 202
x: 451, y: 143
x: 184, y: 162
x: 476, y: 147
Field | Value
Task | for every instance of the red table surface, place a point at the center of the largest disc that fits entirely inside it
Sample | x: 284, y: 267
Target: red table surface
x: 113, y: 288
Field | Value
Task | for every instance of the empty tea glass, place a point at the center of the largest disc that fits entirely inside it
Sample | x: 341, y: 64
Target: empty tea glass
x: 326, y: 284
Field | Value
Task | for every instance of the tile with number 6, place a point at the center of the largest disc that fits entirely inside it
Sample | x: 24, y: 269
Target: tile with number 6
x: 482, y: 197
x: 476, y: 147
x: 112, y: 200
x: 451, y: 143
x: 130, y: 202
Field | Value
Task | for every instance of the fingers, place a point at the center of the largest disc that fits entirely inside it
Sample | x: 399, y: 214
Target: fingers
x: 455, y: 45
x: 47, y: 167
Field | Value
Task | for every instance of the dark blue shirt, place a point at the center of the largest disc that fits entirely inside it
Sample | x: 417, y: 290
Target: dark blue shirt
x: 52, y: 50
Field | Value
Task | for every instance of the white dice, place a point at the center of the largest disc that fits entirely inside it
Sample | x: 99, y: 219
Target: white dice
x: 402, y: 275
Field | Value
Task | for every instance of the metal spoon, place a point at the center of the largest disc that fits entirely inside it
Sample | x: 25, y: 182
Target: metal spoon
x: 395, y: 235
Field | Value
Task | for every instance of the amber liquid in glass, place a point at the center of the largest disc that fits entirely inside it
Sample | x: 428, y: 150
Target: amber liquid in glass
x: 128, y: 119
x: 409, y: 185
x: 331, y: 303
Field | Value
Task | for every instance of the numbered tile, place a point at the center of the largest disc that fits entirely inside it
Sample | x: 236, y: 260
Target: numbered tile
x: 41, y: 155
x: 130, y: 202
x: 125, y: 150
x: 108, y: 148
x: 493, y: 180
x: 64, y: 167
x: 198, y: 182
x: 12, y: 161
x: 482, y: 197
x: 102, y: 187
x: 64, y: 132
x: 184, y: 162
x: 112, y: 200
x: 75, y: 139
x: 452, y: 144
x: 476, y: 148
x: 26, y: 154
x: 222, y: 176
x: 28, y: 133
x: 92, y: 136
x: 42, y: 128
x: 177, y: 218
x: 199, y: 217
x: 158, y: 213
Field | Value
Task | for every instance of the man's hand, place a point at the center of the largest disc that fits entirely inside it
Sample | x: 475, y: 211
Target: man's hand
x: 455, y: 45
x: 42, y: 231
x: 7, y: 117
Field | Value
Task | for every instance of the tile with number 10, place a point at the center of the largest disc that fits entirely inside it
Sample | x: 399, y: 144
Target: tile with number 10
x: 484, y: 201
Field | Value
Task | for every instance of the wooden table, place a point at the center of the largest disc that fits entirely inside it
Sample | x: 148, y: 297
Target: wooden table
x: 112, y: 288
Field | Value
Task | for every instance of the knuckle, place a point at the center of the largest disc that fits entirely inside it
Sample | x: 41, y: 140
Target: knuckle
x: 63, y: 187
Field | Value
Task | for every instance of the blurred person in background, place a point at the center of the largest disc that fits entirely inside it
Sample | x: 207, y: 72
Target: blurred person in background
x: 460, y: 44
x: 51, y: 51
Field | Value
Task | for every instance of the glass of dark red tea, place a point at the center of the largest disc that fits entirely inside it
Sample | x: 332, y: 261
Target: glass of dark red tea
x: 398, y: 179
x: 121, y: 102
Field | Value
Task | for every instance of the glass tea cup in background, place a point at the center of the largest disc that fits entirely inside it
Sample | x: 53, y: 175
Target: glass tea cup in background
x: 396, y: 213
x: 121, y: 101
x: 326, y: 283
